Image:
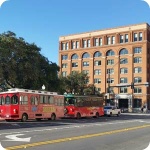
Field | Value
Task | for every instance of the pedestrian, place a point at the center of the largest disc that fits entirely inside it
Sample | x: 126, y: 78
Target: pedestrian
x: 142, y: 109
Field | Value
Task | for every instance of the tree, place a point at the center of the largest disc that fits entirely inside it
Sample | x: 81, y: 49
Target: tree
x: 74, y: 83
x: 22, y: 65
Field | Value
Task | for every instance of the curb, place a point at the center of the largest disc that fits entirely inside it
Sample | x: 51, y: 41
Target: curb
x: 138, y: 114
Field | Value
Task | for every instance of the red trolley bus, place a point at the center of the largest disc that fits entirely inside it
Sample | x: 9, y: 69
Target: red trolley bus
x: 83, y: 106
x: 24, y: 104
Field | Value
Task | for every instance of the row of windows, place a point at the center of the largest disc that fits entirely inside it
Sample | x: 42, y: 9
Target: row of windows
x: 123, y: 51
x: 136, y: 90
x: 109, y: 62
x: 122, y: 80
x: 33, y: 100
x: 109, y: 71
x: 123, y: 38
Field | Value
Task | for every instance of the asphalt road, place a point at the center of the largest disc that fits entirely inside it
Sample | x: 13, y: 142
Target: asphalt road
x: 127, y: 132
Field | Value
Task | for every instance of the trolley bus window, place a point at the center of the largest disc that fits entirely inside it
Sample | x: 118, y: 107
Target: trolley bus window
x: 7, y: 100
x: 2, y: 100
x: 51, y: 100
x: 23, y: 100
x: 14, y: 99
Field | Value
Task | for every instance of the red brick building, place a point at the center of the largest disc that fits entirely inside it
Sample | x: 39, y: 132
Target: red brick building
x: 112, y: 58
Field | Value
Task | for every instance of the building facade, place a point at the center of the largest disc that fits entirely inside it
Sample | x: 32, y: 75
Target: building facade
x: 114, y: 59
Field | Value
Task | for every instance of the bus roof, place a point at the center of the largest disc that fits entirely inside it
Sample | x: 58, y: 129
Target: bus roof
x: 17, y: 90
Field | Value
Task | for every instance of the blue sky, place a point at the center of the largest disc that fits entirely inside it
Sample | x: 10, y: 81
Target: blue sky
x: 43, y: 21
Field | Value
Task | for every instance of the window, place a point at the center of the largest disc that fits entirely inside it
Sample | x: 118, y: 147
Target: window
x: 137, y: 70
x: 14, y: 99
x: 64, y: 57
x: 86, y: 81
x: 85, y: 63
x: 110, y: 80
x: 123, y: 90
x: 123, y: 61
x: 84, y: 44
x: 137, y: 50
x: 140, y: 36
x: 123, y: 70
x: 100, y: 41
x: 86, y: 72
x: 64, y: 65
x: 108, y: 40
x: 113, y: 40
x: 123, y: 51
x: 97, y: 54
x: 137, y: 80
x: 64, y: 73
x: 97, y: 72
x: 51, y: 99
x: 110, y: 53
x: 121, y: 38
x: 65, y: 46
x: 97, y: 80
x: 137, y: 90
x: 126, y: 38
x: 135, y: 37
x: 110, y: 61
x: 97, y: 90
x: 96, y: 42
x: 123, y: 80
x: 74, y: 56
x: 74, y: 64
x: 77, y: 44
x: 97, y: 63
x: 73, y: 45
x: 23, y: 100
x: 85, y: 55
x: 88, y: 43
x: 137, y: 60
x: 110, y: 71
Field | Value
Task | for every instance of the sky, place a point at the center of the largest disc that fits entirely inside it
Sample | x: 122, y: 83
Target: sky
x: 43, y: 21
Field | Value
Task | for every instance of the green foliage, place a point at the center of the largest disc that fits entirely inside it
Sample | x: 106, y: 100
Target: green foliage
x: 75, y: 83
x: 22, y: 65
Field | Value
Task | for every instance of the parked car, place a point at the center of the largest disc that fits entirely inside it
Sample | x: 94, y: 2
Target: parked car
x: 111, y: 110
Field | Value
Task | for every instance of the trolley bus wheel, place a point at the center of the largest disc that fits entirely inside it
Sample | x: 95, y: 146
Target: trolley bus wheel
x: 24, y: 118
x: 78, y: 115
x: 53, y: 117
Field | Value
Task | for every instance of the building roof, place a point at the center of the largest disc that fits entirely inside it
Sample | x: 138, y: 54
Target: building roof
x: 106, y: 31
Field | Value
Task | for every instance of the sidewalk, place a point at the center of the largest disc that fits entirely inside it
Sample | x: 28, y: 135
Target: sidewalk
x: 138, y: 114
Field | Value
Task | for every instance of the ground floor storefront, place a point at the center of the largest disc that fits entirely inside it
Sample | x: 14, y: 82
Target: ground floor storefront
x: 130, y: 103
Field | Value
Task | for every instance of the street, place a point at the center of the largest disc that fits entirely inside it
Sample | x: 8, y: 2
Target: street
x: 127, y: 132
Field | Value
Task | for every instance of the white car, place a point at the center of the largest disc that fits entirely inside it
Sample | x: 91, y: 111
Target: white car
x: 111, y: 110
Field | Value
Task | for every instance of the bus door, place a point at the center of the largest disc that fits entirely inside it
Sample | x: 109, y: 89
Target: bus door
x: 24, y: 106
x: 34, y: 108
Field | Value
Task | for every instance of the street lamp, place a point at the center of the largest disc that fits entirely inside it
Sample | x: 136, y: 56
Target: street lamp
x: 43, y: 87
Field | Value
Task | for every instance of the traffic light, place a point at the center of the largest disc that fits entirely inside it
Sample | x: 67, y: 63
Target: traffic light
x: 132, y: 85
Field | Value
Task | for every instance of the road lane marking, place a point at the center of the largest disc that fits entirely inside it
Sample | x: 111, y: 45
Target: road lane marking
x: 76, y: 138
x: 74, y: 126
